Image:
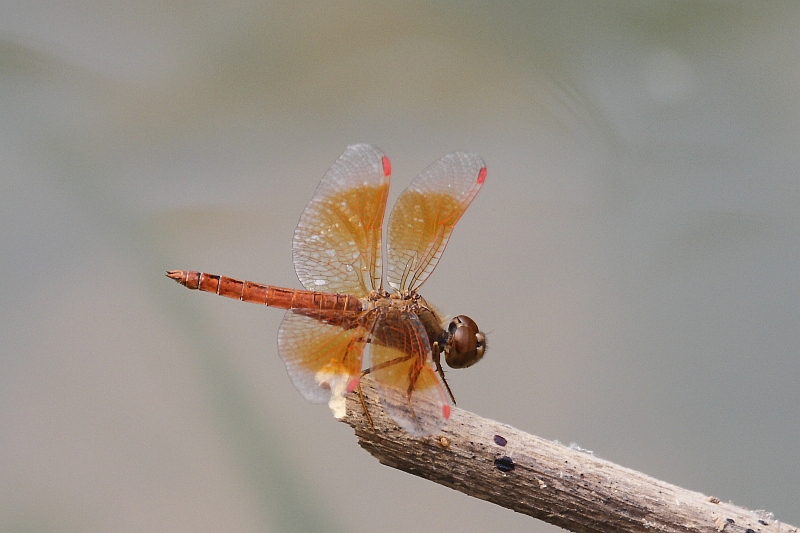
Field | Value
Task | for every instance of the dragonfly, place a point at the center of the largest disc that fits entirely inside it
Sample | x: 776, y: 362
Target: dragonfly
x: 344, y: 325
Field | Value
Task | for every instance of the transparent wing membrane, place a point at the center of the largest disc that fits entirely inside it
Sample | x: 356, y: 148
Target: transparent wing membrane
x: 322, y: 350
x: 400, y: 362
x: 337, y: 243
x: 424, y: 216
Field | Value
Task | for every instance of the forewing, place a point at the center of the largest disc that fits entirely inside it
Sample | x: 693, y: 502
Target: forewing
x: 337, y: 243
x: 400, y: 361
x: 425, y: 214
x: 322, y: 350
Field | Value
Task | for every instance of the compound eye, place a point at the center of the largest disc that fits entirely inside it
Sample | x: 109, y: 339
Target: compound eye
x: 467, y: 343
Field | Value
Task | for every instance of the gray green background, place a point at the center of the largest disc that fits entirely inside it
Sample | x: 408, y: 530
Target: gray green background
x: 633, y: 255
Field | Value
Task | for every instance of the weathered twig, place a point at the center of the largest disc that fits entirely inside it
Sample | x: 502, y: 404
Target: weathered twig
x: 561, y: 485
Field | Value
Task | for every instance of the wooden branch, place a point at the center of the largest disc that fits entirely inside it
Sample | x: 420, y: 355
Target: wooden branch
x: 568, y: 487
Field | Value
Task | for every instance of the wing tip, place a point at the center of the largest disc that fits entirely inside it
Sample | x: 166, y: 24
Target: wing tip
x: 387, y: 166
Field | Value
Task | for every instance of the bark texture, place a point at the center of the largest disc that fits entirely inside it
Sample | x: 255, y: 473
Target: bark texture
x: 568, y: 487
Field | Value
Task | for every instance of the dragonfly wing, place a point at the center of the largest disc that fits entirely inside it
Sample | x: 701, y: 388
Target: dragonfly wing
x: 425, y: 214
x: 322, y: 350
x: 400, y: 361
x: 337, y: 243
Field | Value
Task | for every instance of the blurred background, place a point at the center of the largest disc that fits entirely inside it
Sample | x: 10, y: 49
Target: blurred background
x: 633, y: 255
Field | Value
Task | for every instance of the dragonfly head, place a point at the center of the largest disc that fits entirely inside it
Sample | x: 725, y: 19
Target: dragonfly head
x: 466, y: 344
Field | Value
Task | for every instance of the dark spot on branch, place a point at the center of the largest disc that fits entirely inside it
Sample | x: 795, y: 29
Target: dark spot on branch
x: 730, y: 520
x: 504, y: 464
x: 500, y: 441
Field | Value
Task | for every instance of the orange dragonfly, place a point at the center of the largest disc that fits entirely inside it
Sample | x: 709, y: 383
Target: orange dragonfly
x: 330, y: 340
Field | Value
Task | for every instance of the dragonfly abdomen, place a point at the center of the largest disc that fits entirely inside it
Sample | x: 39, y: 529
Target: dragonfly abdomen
x: 257, y: 293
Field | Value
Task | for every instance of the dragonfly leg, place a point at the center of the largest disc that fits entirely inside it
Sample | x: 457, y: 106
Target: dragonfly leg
x: 385, y: 364
x: 361, y: 393
x: 440, y: 370
x: 380, y: 366
x: 364, y: 405
x: 413, y: 382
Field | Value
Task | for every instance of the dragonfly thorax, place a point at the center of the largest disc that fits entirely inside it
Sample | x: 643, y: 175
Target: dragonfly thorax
x: 408, y: 300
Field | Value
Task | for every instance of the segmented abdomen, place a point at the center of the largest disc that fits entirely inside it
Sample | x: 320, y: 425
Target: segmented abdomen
x: 247, y: 291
